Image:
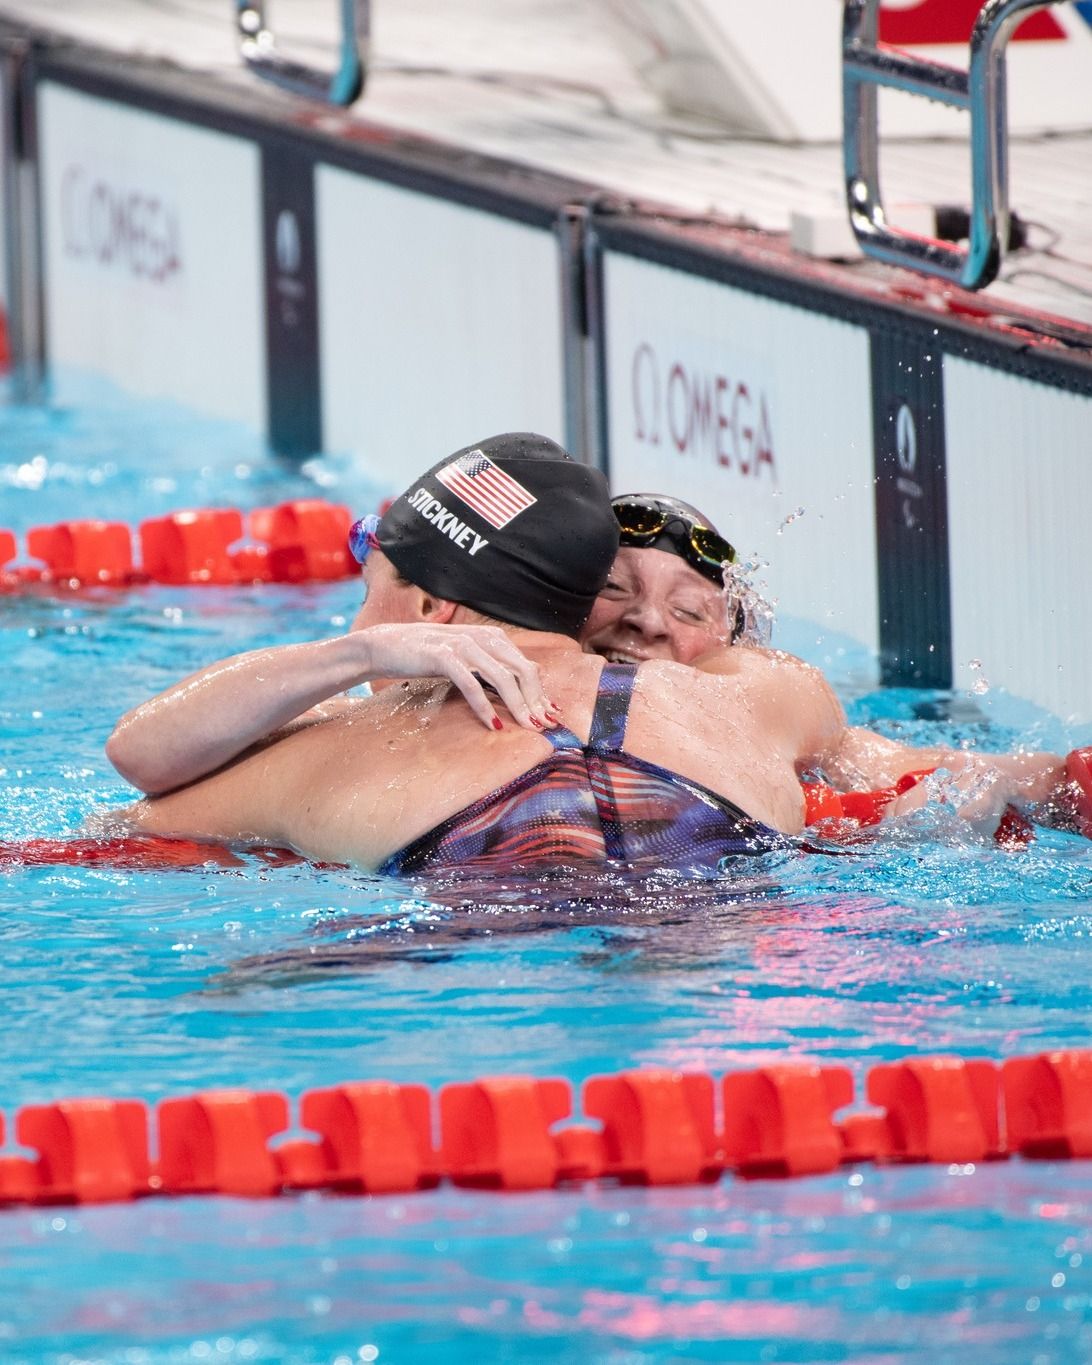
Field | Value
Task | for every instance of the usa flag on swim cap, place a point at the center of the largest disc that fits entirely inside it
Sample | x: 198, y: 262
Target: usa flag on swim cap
x: 482, y: 485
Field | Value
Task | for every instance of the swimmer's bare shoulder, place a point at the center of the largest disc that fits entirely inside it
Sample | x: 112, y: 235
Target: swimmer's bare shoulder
x: 744, y: 658
x: 792, y: 697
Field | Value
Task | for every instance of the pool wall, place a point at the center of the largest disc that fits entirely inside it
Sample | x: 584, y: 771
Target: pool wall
x: 912, y: 462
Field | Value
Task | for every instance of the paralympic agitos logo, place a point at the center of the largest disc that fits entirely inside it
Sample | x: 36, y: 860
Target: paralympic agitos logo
x: 120, y: 227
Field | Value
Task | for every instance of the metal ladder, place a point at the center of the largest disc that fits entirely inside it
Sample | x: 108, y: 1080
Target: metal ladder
x: 981, y: 91
x: 258, y: 49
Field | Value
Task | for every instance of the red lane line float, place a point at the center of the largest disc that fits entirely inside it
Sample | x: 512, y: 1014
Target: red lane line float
x: 218, y: 1143
x: 840, y: 816
x: 658, y: 1127
x: 144, y: 852
x: 779, y: 1120
x: 92, y: 1151
x: 85, y: 551
x: 376, y: 1137
x: 301, y: 541
x: 1047, y: 1104
x: 518, y: 1132
x: 836, y: 813
x: 496, y: 1132
x: 938, y: 1109
x: 191, y: 547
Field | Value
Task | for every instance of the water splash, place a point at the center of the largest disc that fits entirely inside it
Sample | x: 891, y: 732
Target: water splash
x: 745, y: 590
x: 981, y: 685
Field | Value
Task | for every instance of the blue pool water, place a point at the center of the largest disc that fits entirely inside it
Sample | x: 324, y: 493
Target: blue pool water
x: 156, y: 984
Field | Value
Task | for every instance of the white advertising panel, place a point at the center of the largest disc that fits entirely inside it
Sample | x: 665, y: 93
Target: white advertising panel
x: 760, y: 414
x: 775, y: 69
x: 1020, y: 486
x: 439, y: 325
x: 153, y: 254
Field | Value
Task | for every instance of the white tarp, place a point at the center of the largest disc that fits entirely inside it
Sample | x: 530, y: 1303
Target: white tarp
x: 774, y: 69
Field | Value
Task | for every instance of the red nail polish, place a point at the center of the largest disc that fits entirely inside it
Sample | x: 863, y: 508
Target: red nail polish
x: 497, y: 723
x: 535, y: 721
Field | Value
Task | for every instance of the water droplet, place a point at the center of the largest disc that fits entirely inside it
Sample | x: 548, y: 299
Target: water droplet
x: 743, y: 593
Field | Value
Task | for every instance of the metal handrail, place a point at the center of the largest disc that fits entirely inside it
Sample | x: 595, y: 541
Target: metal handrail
x: 867, y: 65
x: 258, y: 48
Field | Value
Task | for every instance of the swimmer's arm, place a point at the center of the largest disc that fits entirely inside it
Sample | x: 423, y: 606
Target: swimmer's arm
x: 866, y: 761
x: 853, y: 758
x: 210, y: 718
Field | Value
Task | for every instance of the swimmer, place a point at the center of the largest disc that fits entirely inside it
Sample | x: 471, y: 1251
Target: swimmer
x: 670, y: 596
x: 656, y: 764
x: 664, y: 599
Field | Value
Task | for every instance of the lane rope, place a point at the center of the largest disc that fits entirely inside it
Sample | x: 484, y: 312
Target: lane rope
x: 646, y: 1127
x: 301, y: 541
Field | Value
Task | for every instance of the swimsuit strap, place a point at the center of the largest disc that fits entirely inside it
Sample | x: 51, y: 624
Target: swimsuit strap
x: 608, y: 727
x: 608, y: 730
x: 561, y: 738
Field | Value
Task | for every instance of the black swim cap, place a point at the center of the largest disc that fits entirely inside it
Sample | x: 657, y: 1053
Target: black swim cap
x: 512, y: 527
x: 654, y: 521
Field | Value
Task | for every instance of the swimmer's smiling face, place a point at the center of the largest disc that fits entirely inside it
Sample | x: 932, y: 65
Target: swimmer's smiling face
x: 654, y: 606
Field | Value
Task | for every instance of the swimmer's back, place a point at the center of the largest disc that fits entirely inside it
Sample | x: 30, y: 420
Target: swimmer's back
x: 591, y: 802
x: 384, y: 773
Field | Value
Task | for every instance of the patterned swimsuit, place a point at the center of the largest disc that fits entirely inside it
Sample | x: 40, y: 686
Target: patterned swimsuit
x: 590, y: 804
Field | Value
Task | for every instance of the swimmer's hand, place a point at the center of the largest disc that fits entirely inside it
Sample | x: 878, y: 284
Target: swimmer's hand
x: 471, y: 657
x: 978, y: 793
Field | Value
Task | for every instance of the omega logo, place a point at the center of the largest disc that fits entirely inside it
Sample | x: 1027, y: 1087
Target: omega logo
x: 134, y: 230
x: 701, y: 413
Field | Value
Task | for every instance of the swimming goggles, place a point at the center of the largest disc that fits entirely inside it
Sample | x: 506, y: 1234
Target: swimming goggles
x: 702, y: 548
x: 362, y: 537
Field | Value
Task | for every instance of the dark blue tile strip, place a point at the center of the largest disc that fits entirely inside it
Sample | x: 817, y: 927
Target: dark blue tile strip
x: 913, y: 563
x: 291, y: 301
